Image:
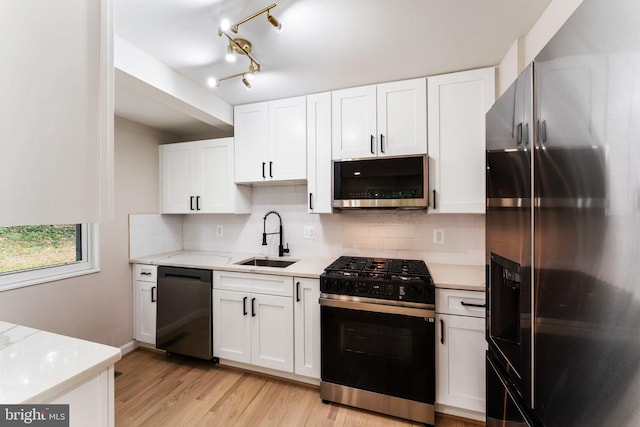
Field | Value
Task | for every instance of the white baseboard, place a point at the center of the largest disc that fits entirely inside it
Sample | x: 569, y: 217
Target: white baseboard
x: 129, y: 347
x: 271, y: 372
x: 460, y: 412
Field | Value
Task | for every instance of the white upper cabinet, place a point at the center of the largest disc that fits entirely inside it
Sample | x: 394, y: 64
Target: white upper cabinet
x: 197, y: 177
x: 271, y: 141
x: 354, y: 122
x: 319, y: 153
x: 402, y: 117
x: 457, y: 105
x: 388, y: 119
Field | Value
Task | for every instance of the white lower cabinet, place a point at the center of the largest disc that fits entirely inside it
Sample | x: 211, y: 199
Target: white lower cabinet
x: 460, y: 353
x: 307, y: 327
x: 91, y: 403
x: 144, y: 303
x: 253, y: 319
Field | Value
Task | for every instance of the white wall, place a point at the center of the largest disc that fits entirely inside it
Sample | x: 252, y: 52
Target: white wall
x: 387, y: 233
x: 525, y: 49
x: 98, y: 307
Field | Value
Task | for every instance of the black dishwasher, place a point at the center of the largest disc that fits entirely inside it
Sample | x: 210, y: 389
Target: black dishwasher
x: 184, y: 316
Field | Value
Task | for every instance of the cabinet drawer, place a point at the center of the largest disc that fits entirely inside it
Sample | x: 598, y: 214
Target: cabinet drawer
x: 145, y: 273
x: 461, y: 303
x: 255, y: 283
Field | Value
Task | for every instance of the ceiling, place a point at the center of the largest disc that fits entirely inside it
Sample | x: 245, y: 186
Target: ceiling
x: 324, y: 44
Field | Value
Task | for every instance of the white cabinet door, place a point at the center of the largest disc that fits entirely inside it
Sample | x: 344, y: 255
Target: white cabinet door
x: 307, y: 327
x: 460, y: 361
x: 251, y: 134
x: 176, y: 168
x: 457, y: 104
x: 215, y: 181
x: 145, y: 312
x: 197, y: 177
x: 287, y: 139
x: 270, y: 139
x: 402, y: 117
x: 272, y: 332
x: 232, y: 325
x: 144, y: 303
x: 319, y: 153
x: 354, y: 123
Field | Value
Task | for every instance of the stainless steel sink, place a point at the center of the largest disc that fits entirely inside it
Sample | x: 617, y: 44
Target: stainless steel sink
x: 267, y: 262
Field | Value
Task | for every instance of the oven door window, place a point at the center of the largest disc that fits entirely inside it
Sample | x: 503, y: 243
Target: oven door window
x: 383, y: 353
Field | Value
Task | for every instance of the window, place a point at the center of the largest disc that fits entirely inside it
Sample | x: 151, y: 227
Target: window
x: 43, y: 253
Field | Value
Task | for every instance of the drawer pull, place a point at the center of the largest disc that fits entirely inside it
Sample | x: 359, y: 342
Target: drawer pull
x: 468, y: 304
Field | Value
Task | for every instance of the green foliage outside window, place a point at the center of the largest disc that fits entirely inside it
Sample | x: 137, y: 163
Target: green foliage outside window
x: 27, y: 247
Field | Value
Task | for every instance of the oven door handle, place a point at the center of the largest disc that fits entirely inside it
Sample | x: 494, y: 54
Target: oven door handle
x: 378, y: 308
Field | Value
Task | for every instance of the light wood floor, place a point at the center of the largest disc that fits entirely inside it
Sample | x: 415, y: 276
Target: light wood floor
x: 158, y: 390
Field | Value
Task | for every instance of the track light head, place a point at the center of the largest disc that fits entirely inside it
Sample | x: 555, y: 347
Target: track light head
x: 246, y: 82
x: 273, y: 21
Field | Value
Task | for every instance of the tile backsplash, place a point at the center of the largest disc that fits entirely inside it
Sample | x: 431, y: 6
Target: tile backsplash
x: 152, y: 233
x: 385, y: 233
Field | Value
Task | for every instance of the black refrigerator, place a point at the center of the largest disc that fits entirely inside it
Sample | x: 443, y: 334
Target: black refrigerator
x: 563, y: 229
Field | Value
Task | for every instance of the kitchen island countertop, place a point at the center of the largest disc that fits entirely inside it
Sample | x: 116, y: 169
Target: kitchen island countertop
x: 37, y: 366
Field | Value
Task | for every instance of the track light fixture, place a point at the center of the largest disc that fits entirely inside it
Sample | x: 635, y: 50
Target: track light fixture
x: 239, y: 46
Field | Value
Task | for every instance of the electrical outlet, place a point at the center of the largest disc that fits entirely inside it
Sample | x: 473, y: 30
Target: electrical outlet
x: 308, y: 232
x: 219, y: 230
x: 438, y: 235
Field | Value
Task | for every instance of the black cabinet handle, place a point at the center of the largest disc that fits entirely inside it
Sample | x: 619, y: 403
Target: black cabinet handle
x: 145, y: 273
x: 263, y: 165
x: 372, y: 142
x: 434, y: 198
x: 525, y: 138
x: 297, y: 291
x: 310, y: 201
x: 197, y: 203
x: 153, y: 294
x: 441, y: 331
x: 191, y: 203
x: 271, y: 169
x: 244, y: 306
x: 468, y: 304
x: 253, y: 307
x: 381, y: 143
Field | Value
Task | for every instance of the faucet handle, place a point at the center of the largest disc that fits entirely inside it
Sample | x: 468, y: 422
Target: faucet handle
x: 286, y: 250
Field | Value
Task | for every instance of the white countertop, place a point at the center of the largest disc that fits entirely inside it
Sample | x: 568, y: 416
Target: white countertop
x: 306, y: 266
x: 36, y: 366
x: 467, y: 277
x: 453, y: 276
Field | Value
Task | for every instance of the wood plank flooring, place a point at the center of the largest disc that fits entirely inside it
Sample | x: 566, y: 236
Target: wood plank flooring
x: 158, y: 390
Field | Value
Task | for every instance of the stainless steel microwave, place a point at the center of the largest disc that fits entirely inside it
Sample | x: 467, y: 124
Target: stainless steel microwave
x: 387, y: 182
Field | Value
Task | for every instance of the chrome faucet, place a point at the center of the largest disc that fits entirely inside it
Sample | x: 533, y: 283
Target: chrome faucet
x: 281, y: 249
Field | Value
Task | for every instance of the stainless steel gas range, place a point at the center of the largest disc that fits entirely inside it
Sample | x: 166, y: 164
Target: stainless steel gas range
x: 378, y: 336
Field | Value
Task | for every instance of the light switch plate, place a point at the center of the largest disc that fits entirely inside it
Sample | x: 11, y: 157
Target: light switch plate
x: 438, y: 235
x: 219, y: 230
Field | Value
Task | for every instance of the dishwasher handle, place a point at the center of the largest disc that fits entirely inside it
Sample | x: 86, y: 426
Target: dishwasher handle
x: 185, y: 274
